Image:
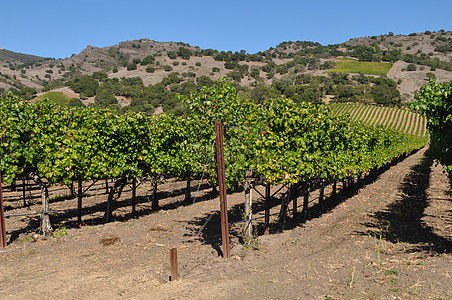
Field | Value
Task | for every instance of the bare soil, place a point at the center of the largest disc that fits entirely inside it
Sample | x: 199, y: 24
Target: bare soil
x: 389, y: 237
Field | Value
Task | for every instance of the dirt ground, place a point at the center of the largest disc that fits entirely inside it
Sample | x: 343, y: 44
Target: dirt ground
x: 390, y: 237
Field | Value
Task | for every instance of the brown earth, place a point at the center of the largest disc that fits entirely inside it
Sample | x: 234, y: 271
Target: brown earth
x: 388, y: 238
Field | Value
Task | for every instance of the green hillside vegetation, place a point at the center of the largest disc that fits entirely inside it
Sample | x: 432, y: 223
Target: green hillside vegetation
x: 362, y: 67
x: 300, y: 88
x: 401, y: 119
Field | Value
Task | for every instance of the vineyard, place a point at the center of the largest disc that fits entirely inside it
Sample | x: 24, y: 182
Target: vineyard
x: 279, y: 149
x: 274, y: 142
x: 400, y: 119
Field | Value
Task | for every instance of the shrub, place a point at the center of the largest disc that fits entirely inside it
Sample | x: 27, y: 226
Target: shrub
x: 167, y: 68
x: 430, y: 76
x: 189, y: 74
x: 148, y: 60
x: 184, y: 53
x: 150, y: 69
x: 204, y: 81
x: 198, y: 64
x: 411, y: 67
x: 75, y: 102
x: 101, y: 76
x: 231, y: 65
x: 255, y: 72
x: 85, y: 85
x: 131, y: 66
x: 215, y: 69
x: 104, y: 99
x: 115, y: 70
x: 172, y: 55
x: 175, y: 63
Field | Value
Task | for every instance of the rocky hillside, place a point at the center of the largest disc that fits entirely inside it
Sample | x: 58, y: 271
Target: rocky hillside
x: 408, y: 60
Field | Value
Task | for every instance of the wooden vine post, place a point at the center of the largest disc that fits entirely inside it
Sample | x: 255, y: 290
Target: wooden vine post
x: 267, y: 209
x: 79, y: 202
x: 173, y: 264
x: 2, y: 218
x: 155, y: 200
x: 322, y: 191
x: 334, y: 192
x: 222, y: 188
x: 305, y: 202
x: 188, y: 191
x: 106, y: 186
x: 24, y: 191
x: 295, y: 205
x: 134, y: 196
x: 248, y: 211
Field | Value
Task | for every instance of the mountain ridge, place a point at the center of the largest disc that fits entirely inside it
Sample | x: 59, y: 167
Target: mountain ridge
x: 415, y: 57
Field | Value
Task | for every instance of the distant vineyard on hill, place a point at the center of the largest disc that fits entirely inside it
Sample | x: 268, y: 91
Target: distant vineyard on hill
x: 401, y: 119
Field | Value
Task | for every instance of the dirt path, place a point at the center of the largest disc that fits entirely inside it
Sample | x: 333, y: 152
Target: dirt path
x: 389, y: 239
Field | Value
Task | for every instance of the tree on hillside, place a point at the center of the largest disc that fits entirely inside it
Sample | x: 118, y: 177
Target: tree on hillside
x: 411, y: 67
x: 383, y: 94
x: 148, y: 60
x: 85, y: 85
x: 204, y: 81
x: 75, y: 102
x: 131, y: 66
x: 184, y: 53
x: 101, y: 76
x: 172, y: 54
x: 25, y: 93
x: 105, y: 99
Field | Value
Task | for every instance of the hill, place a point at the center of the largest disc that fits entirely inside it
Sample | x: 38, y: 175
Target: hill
x: 307, y: 70
x: 13, y: 58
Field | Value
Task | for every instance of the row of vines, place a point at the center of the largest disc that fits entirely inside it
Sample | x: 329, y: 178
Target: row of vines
x: 404, y: 120
x: 276, y: 140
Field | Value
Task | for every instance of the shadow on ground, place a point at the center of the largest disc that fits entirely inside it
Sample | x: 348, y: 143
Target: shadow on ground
x: 402, y: 220
x: 207, y: 228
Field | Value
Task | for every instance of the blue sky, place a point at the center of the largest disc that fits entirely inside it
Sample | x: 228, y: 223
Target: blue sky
x: 59, y: 28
